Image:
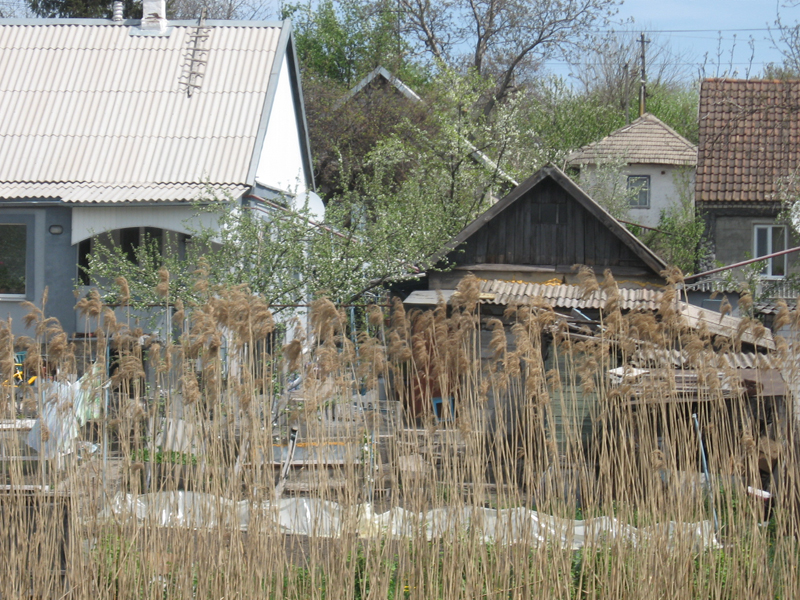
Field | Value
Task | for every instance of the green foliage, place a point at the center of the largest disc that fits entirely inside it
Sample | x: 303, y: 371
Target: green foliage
x: 343, y: 41
x: 164, y: 458
x: 89, y: 9
x: 607, y: 185
x: 677, y: 106
x: 560, y: 119
x: 282, y: 255
x: 263, y: 248
x: 556, y: 119
x: 679, y: 239
x: 109, y: 261
x: 114, y: 557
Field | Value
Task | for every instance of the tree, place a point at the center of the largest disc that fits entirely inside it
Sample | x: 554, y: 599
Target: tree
x: 679, y: 238
x: 343, y: 41
x: 786, y: 39
x: 607, y: 185
x: 10, y: 9
x: 504, y: 41
x: 90, y: 9
x: 267, y: 252
x: 610, y: 73
x: 415, y: 194
x: 420, y: 185
x: 219, y: 9
x: 176, y: 9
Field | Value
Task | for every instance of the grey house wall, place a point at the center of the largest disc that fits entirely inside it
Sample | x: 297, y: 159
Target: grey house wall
x: 51, y: 261
x: 731, y: 230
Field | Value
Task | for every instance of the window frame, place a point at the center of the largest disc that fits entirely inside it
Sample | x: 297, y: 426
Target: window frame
x: 27, y: 249
x: 767, y: 273
x: 638, y: 184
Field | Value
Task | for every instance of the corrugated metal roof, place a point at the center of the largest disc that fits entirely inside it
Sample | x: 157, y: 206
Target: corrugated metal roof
x: 92, y: 104
x: 647, y: 140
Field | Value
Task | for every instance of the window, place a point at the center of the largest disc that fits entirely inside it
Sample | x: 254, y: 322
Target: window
x: 13, y: 249
x: 639, y: 191
x: 84, y: 250
x: 768, y: 239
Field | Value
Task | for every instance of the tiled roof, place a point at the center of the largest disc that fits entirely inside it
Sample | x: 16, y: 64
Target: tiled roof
x: 89, y: 105
x: 647, y: 140
x: 749, y: 138
x: 503, y: 293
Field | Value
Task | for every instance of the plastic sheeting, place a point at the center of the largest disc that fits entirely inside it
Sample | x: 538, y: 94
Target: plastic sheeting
x: 67, y: 407
x: 314, y: 517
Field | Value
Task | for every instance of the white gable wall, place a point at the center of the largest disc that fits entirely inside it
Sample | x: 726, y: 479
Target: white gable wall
x: 280, y: 166
x: 665, y: 192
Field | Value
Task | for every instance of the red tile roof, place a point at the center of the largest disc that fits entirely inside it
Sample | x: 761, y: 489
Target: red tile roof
x: 749, y: 139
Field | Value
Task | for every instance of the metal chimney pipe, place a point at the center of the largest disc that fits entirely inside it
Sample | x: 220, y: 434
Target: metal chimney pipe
x: 117, y: 14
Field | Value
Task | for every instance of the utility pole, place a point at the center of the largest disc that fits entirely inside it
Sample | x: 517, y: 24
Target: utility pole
x: 643, y: 81
x: 626, y: 91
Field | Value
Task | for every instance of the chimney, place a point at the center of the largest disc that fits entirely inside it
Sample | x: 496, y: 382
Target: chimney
x: 117, y: 15
x: 154, y: 15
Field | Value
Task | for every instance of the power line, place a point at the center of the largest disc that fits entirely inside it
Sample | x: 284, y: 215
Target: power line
x: 684, y: 30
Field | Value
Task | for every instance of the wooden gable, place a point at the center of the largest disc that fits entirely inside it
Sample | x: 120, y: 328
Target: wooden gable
x: 549, y: 222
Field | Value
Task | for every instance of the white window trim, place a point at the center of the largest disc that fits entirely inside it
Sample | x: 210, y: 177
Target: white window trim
x: 769, y: 227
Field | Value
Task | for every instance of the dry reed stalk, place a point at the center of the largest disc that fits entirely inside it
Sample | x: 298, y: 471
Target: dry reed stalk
x: 520, y: 439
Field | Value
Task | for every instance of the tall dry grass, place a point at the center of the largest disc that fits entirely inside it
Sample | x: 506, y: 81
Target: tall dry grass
x: 539, y: 425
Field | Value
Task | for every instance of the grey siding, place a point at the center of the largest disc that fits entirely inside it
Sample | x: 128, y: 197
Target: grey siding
x: 50, y: 262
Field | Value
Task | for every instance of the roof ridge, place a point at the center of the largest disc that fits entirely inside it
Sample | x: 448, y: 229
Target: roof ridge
x: 57, y: 22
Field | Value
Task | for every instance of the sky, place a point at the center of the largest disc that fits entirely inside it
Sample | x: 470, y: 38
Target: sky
x: 692, y: 29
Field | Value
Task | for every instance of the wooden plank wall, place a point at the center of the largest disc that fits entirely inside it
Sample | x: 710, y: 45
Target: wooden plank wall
x: 546, y: 227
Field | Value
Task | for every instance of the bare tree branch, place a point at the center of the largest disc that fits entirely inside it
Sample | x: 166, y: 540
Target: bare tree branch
x: 502, y: 40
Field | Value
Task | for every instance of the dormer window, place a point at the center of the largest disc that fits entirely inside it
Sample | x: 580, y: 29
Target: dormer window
x: 639, y: 191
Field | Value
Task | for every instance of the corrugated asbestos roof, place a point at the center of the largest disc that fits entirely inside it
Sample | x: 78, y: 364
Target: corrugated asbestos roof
x: 496, y: 291
x: 144, y: 192
x: 503, y: 293
x: 749, y: 139
x: 91, y: 106
x: 647, y: 140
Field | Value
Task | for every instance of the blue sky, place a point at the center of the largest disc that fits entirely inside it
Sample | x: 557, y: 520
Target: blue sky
x: 750, y: 18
